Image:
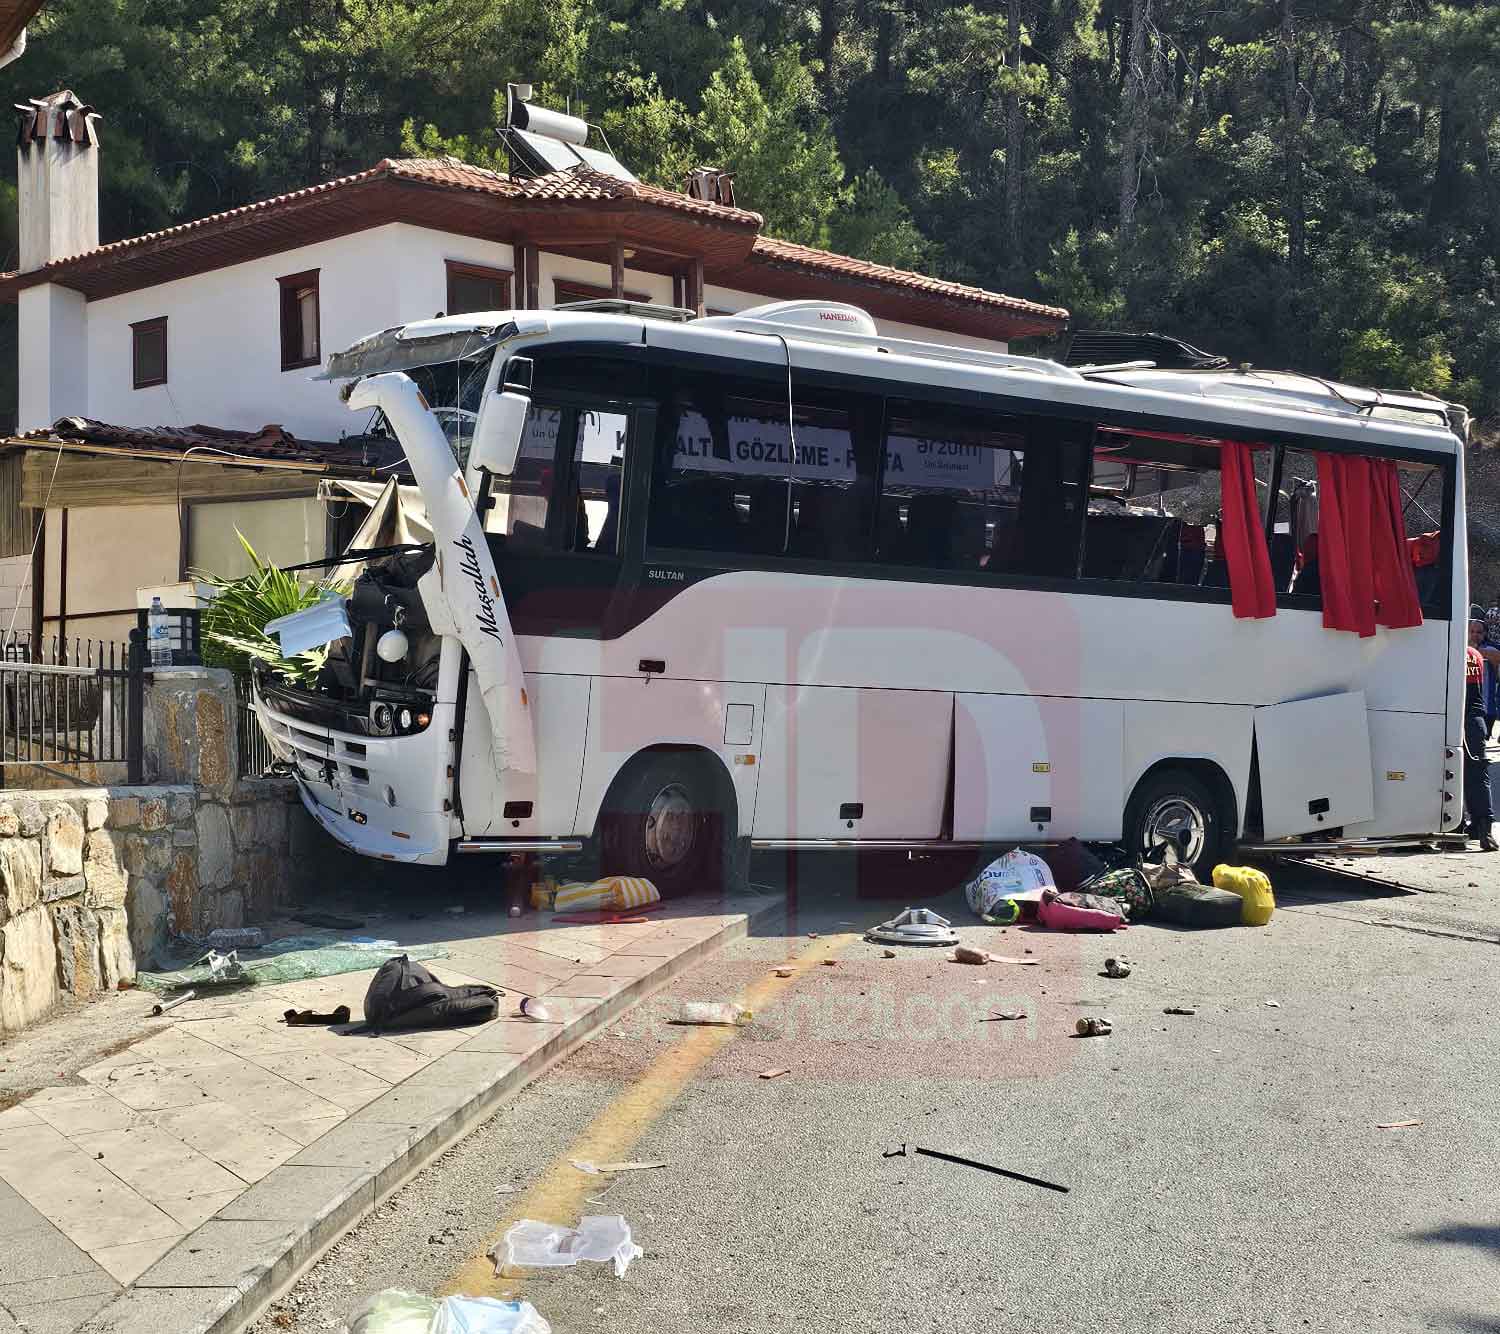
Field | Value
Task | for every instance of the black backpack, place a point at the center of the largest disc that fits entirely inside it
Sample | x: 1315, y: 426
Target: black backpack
x: 403, y: 994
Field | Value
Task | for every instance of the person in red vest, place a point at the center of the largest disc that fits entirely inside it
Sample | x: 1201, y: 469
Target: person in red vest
x: 1477, y: 800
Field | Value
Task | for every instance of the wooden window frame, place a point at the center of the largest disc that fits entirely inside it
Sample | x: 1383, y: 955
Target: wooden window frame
x: 592, y: 292
x: 140, y: 327
x: 288, y: 288
x: 456, y: 268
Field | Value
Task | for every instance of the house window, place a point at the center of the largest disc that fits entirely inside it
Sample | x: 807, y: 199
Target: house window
x: 471, y: 288
x: 285, y: 530
x: 299, y: 320
x: 148, y: 352
x: 565, y: 290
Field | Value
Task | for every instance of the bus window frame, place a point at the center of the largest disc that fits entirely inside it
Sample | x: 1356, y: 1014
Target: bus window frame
x: 704, y: 563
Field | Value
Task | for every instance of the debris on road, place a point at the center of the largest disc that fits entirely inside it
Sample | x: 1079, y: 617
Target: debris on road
x: 602, y: 1238
x: 533, y: 1009
x: 830, y: 963
x: 1115, y: 968
x: 965, y: 954
x: 972, y: 1162
x: 1257, y: 902
x: 1274, y: 1004
x: 914, y: 926
x: 1179, y: 1009
x: 887, y: 954
x: 776, y: 1073
x: 720, y: 1013
x: 397, y: 1311
x: 1011, y: 958
x: 236, y: 938
x: 172, y: 1004
x: 602, y: 1169
x: 1000, y: 1015
x: 784, y: 972
x: 1396, y: 1125
x: 403, y: 994
x: 1093, y: 1026
x: 311, y: 1018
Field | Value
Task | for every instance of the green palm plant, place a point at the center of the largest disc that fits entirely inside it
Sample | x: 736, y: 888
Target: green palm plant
x: 233, y: 623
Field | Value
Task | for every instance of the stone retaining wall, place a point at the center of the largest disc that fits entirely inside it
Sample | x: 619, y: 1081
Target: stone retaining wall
x: 93, y: 881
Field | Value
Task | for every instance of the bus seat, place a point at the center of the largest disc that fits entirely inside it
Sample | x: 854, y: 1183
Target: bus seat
x: 765, y: 532
x: 929, y: 531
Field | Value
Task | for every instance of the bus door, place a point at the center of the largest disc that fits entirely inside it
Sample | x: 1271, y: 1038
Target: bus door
x: 1315, y: 771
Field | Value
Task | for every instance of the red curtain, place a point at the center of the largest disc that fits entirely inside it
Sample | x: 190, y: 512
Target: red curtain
x: 1366, y: 570
x: 1252, y: 591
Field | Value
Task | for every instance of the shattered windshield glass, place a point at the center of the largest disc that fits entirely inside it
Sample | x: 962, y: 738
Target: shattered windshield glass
x: 453, y: 390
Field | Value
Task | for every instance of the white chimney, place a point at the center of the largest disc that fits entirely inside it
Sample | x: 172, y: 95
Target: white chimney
x: 57, y: 179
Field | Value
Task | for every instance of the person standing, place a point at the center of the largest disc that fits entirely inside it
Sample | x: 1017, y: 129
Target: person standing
x: 1477, y: 799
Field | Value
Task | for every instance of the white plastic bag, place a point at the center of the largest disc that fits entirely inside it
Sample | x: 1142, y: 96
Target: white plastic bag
x: 1016, y: 875
x: 396, y: 1311
x: 485, y: 1315
x: 599, y: 1237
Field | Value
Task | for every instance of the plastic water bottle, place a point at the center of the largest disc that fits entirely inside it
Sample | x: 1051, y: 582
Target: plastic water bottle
x: 157, y: 635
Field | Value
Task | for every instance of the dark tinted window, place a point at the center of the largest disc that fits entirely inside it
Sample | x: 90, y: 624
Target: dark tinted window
x: 974, y: 491
x: 736, y: 473
x: 148, y: 352
x: 472, y: 288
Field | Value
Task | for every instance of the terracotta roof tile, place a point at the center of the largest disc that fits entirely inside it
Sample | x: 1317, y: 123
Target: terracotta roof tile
x: 768, y: 250
x: 272, y: 443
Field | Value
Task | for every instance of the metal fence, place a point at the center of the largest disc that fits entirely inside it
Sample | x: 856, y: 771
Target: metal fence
x: 70, y: 704
x: 255, y: 750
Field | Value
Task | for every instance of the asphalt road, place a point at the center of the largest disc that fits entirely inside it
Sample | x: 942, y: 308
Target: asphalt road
x: 1224, y: 1170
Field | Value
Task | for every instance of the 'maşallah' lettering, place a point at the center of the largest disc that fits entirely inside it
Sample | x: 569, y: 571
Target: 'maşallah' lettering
x: 470, y: 566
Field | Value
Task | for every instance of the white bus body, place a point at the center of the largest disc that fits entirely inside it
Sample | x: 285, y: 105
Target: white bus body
x: 929, y: 624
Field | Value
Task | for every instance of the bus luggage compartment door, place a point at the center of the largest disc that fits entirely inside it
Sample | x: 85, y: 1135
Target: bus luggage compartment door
x: 856, y: 764
x: 1314, y: 764
x: 1037, y: 767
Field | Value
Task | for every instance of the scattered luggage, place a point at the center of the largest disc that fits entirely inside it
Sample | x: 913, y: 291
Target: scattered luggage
x: 403, y: 994
x: 1254, y: 889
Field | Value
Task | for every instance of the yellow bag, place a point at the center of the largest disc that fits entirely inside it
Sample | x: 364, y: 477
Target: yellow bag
x: 614, y: 891
x: 1257, y: 901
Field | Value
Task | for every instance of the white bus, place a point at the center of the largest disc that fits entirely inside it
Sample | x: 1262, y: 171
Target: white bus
x: 773, y: 580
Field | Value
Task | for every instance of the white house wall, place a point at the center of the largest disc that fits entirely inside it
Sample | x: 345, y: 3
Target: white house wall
x: 223, y: 330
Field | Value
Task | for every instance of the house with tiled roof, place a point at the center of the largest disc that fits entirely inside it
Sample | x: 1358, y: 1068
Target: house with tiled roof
x: 226, y: 321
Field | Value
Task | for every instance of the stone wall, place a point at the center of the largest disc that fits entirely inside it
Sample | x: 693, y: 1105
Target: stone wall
x: 94, y: 881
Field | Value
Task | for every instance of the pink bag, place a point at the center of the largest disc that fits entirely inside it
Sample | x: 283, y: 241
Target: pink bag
x: 1057, y: 914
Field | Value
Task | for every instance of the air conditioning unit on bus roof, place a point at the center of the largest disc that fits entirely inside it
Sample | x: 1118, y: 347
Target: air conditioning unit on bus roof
x: 828, y: 316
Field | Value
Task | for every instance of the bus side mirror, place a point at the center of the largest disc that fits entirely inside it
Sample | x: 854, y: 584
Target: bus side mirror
x: 502, y: 421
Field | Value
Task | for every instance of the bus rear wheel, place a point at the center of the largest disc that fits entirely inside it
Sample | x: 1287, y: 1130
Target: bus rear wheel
x: 669, y: 821
x: 1175, y: 807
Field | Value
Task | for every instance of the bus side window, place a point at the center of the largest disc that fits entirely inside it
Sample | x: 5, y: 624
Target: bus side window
x: 598, y: 468
x: 523, y: 500
x: 728, y: 478
x: 951, y: 496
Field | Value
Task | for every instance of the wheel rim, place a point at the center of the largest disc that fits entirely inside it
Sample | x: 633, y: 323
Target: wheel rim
x: 671, y: 828
x: 1179, y: 822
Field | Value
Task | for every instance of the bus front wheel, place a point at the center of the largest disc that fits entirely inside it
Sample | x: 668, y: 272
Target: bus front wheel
x: 1175, y: 807
x: 669, y: 821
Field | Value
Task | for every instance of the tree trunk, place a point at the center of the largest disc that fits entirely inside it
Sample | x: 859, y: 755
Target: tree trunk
x: 1296, y: 218
x: 1133, y: 116
x: 1014, y: 130
x: 828, y: 31
x: 1440, y: 202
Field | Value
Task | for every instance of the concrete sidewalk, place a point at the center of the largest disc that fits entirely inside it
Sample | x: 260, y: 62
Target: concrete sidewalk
x: 178, y: 1183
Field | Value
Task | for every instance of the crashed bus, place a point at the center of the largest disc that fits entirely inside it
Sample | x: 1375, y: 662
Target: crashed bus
x: 672, y: 588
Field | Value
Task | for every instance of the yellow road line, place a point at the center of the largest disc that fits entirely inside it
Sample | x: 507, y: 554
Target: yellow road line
x: 560, y: 1194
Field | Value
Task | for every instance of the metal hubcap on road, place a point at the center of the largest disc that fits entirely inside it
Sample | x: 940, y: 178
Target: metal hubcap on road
x: 671, y: 827
x: 1179, y: 822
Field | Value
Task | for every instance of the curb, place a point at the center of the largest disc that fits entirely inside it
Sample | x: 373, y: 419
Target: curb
x: 224, y: 1273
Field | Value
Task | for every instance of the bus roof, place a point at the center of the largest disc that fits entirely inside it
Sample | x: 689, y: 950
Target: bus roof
x: 1246, y: 399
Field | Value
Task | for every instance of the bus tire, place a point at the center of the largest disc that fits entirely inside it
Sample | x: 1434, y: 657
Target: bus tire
x: 670, y: 820
x: 1175, y: 805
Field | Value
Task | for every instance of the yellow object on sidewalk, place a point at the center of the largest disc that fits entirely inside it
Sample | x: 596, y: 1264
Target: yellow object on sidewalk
x: 613, y: 891
x: 1254, y: 889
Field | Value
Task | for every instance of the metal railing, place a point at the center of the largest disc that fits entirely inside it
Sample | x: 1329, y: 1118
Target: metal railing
x: 256, y: 755
x: 70, y: 704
